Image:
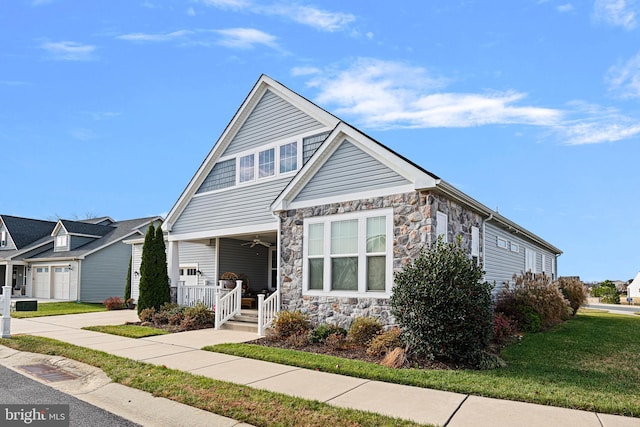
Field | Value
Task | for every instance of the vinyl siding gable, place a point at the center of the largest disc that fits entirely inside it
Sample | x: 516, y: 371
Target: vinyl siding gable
x: 349, y: 170
x: 272, y: 119
x: 104, y: 273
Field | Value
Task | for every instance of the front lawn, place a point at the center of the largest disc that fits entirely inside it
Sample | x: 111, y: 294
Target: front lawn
x: 242, y: 403
x: 59, y: 308
x: 129, y: 331
x: 586, y: 363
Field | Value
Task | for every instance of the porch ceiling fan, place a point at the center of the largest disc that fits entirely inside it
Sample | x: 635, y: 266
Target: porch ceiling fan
x: 255, y: 242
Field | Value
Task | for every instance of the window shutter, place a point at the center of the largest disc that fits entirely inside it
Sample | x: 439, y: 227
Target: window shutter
x: 475, y: 241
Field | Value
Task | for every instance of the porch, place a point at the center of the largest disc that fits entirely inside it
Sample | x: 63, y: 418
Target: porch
x: 227, y: 305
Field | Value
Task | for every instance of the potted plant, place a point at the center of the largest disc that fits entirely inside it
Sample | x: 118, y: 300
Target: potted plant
x: 228, y: 280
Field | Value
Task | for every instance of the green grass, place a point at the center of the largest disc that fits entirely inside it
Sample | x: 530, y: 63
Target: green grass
x: 129, y: 331
x: 59, y: 308
x: 589, y: 363
x: 242, y: 403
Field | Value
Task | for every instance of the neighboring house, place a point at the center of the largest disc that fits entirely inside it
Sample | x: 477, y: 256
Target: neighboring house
x: 633, y: 290
x: 67, y: 260
x: 332, y: 212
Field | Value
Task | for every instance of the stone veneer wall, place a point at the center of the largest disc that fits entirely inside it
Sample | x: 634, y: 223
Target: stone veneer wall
x: 414, y: 229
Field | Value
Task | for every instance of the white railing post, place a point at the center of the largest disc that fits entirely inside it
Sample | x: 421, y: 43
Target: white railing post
x: 6, y: 312
x: 238, y: 300
x: 260, y: 314
x: 217, y: 308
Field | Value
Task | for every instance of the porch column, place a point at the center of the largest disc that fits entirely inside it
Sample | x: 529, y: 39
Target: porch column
x: 174, y: 263
x: 8, y: 275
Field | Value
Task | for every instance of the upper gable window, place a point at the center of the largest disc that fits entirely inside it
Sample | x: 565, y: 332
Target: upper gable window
x: 247, y: 168
x: 266, y: 163
x: 288, y: 157
x: 3, y: 239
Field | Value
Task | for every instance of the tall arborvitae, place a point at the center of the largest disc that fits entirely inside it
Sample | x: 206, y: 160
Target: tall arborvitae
x: 145, y: 300
x: 162, y: 286
x: 127, y: 286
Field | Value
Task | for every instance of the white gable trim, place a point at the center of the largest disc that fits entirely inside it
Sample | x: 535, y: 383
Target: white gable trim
x: 341, y: 133
x: 261, y: 86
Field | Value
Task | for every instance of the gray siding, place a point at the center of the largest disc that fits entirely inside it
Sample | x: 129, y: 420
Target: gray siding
x: 245, y: 205
x: 77, y: 241
x: 271, y: 120
x: 202, y: 254
x: 501, y: 264
x: 104, y: 273
x: 349, y: 170
x: 254, y: 262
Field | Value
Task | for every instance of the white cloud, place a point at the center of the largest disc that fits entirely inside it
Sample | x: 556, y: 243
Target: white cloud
x: 245, y: 38
x: 311, y: 16
x: 83, y: 134
x: 69, y: 51
x: 306, y: 15
x: 13, y: 83
x: 155, y: 37
x: 104, y: 115
x: 191, y: 12
x: 619, y: 13
x: 304, y: 71
x: 386, y: 94
x: 624, y: 79
x: 568, y: 7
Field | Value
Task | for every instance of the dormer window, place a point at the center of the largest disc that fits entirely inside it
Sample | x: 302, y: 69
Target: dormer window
x: 61, y: 241
x: 3, y: 239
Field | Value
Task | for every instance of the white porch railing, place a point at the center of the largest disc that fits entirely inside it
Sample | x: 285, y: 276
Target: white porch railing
x: 267, y: 310
x: 228, y: 305
x: 5, y: 306
x: 191, y: 295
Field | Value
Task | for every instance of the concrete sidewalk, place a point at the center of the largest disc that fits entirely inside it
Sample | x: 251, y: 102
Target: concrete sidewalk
x: 182, y: 351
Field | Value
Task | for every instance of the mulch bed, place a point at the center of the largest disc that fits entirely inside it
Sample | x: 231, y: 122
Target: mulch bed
x: 353, y: 352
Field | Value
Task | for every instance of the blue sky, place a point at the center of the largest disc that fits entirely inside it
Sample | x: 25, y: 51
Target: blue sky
x: 532, y: 107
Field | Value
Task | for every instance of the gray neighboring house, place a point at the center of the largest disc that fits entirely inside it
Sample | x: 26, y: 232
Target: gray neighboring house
x: 67, y: 260
x: 320, y: 215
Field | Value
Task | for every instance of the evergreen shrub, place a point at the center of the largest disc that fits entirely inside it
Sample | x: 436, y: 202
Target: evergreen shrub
x: 442, y: 306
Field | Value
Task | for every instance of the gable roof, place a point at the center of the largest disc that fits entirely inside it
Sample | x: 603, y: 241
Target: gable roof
x: 117, y: 232
x: 24, y: 231
x: 263, y: 84
x: 81, y: 228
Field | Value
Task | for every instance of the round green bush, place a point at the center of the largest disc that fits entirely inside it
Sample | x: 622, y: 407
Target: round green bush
x: 442, y: 305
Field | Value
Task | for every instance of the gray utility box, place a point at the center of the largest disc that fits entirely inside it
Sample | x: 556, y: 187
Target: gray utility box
x: 27, y: 305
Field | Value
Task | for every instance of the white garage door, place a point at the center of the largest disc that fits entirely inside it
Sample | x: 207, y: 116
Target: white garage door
x: 61, y: 282
x: 41, y: 285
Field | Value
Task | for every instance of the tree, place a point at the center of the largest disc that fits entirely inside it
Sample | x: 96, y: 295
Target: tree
x: 127, y: 287
x: 443, y: 307
x: 607, y: 292
x: 154, y: 279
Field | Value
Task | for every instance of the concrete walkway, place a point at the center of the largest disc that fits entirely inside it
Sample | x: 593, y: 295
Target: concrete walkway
x: 182, y: 351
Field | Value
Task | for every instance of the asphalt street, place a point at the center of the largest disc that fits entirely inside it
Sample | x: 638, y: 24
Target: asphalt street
x: 18, y: 389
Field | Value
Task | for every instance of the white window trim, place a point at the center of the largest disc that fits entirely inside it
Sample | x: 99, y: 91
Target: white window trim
x: 256, y: 162
x: 442, y: 226
x: 501, y: 243
x: 362, y: 255
x: 3, y: 239
x: 475, y: 242
x: 514, y: 247
x: 62, y: 241
x: 530, y: 255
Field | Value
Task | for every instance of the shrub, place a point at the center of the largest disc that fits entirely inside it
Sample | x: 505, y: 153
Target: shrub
x: 298, y: 340
x: 442, y: 306
x: 320, y: 334
x: 574, y: 291
x: 503, y: 328
x: 533, y: 302
x: 197, y: 317
x: 147, y: 314
x: 154, y: 280
x: 363, y: 330
x: 395, y: 359
x: 113, y: 303
x: 336, y: 341
x: 289, y: 323
x: 385, y: 342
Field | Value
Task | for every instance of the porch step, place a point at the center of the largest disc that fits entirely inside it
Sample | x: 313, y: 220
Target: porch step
x: 234, y: 325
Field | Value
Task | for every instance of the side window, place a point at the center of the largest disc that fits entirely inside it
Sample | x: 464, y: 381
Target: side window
x: 442, y: 225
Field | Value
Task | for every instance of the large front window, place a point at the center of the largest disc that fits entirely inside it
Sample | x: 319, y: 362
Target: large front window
x: 349, y: 253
